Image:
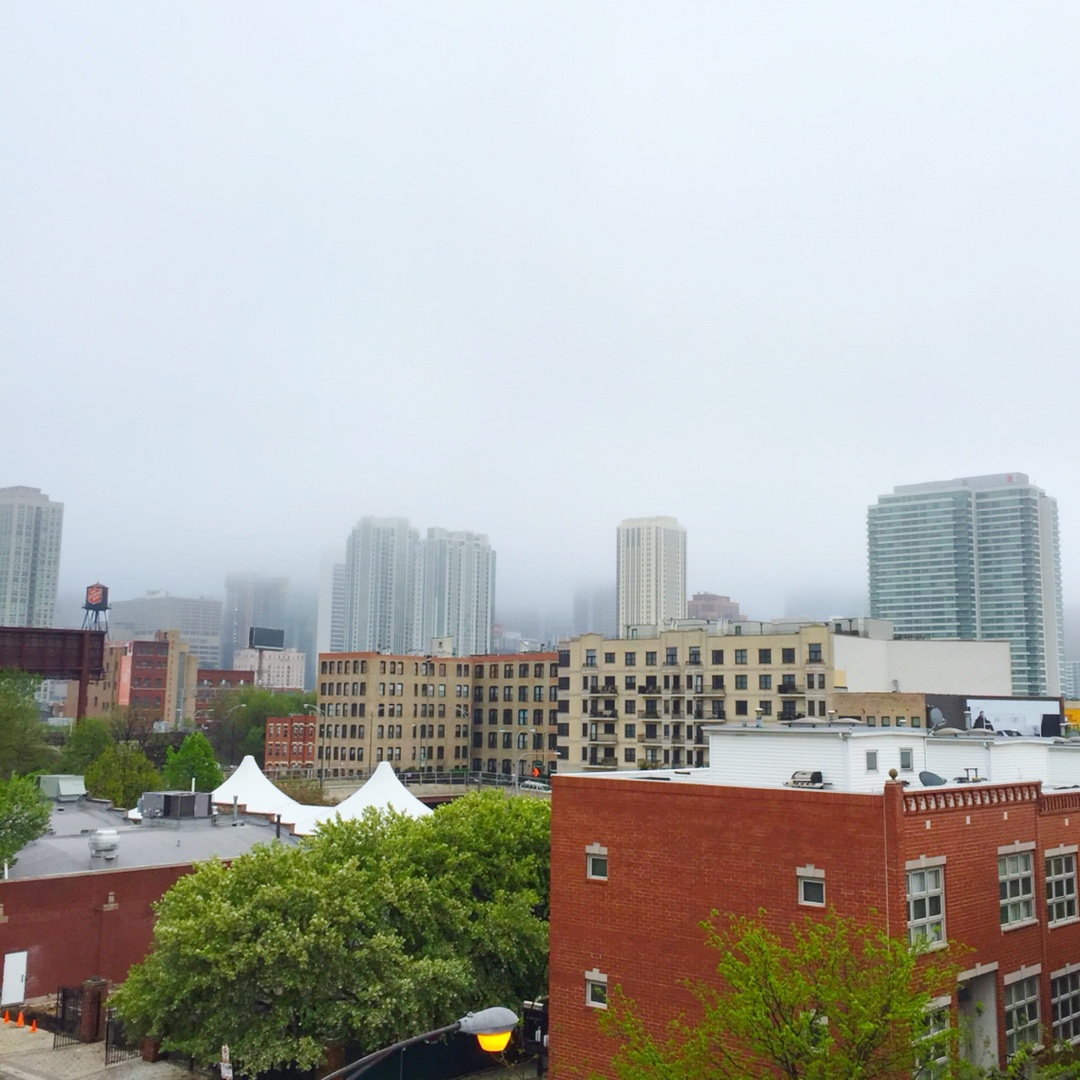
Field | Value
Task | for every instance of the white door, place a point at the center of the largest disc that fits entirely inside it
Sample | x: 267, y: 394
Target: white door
x: 14, y: 990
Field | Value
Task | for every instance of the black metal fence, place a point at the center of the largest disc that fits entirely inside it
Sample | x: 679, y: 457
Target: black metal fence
x: 117, y: 1046
x: 68, y: 1016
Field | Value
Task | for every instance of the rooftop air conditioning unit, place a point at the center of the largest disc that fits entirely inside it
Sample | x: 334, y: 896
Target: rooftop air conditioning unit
x: 104, y: 843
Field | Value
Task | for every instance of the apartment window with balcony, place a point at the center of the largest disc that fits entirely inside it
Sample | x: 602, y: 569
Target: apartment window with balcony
x: 926, y: 900
x: 1021, y: 1010
x: 1016, y: 885
x: 671, y: 656
x: 740, y: 656
x: 695, y: 655
x: 813, y: 653
x: 1061, y: 886
x: 590, y: 658
x: 650, y: 659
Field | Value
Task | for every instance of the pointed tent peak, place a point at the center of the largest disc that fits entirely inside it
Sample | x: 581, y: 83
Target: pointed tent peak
x: 257, y: 794
x: 384, y: 791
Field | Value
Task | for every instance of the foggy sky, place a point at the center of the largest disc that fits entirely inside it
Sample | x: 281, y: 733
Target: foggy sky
x: 529, y: 269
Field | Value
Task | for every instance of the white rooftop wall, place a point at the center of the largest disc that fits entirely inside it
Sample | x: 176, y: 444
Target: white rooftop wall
x: 926, y: 667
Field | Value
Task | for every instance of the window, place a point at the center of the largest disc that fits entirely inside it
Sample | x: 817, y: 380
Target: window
x: 932, y: 1048
x: 718, y: 656
x: 811, y: 884
x: 741, y: 709
x: 695, y: 654
x: 813, y: 653
x: 596, y: 989
x: 630, y: 682
x: 630, y: 659
x: 907, y: 760
x: 1016, y: 887
x: 926, y: 901
x: 764, y: 656
x: 787, y: 656
x: 740, y: 656
x: 596, y: 862
x: 629, y: 731
x: 1060, y: 887
x: 671, y: 655
x: 764, y: 682
x: 590, y: 658
x: 765, y: 707
x: 718, y: 682
x: 609, y: 658
x: 1021, y: 1013
x: 650, y: 659
x: 740, y: 682
x: 1065, y: 1002
x: 871, y: 761
x: 630, y: 755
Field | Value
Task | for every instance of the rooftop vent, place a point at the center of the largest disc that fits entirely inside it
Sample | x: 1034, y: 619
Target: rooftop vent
x: 104, y: 843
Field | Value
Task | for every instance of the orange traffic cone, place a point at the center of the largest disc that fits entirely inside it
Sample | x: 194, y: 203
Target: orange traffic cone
x: 19, y: 1022
x: 7, y: 1017
x: 33, y: 1025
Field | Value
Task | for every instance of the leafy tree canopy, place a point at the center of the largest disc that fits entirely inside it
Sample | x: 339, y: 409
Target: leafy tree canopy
x: 839, y: 999
x: 193, y: 761
x: 23, y: 747
x: 24, y: 815
x: 372, y: 931
x: 121, y: 774
x: 89, y: 739
x: 237, y: 722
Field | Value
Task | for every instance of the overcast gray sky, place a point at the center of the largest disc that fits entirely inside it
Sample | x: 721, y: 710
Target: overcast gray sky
x: 528, y: 269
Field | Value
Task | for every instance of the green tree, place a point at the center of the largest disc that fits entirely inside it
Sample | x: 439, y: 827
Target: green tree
x: 372, y: 931
x: 23, y: 747
x: 24, y: 815
x: 89, y: 739
x: 193, y: 761
x: 121, y: 774
x: 237, y: 721
x: 839, y: 999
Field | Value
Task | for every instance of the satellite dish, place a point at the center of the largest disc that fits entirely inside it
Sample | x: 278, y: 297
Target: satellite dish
x: 937, y: 719
x: 930, y: 779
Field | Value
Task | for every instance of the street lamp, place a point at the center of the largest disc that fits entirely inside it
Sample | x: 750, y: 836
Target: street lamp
x: 492, y: 1028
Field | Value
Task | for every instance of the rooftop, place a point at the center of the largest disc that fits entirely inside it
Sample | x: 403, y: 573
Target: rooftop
x: 66, y: 848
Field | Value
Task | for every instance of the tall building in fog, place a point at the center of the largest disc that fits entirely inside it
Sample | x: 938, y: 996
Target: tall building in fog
x: 595, y: 611
x: 251, y: 600
x: 458, y: 598
x: 31, y: 525
x: 714, y: 608
x: 397, y: 591
x: 382, y: 591
x: 651, y: 572
x: 973, y: 558
x: 197, y: 620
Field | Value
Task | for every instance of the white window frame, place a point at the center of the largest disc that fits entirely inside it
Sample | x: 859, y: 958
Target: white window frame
x: 810, y: 875
x: 596, y: 989
x: 1021, y: 1009
x: 594, y: 855
x: 1060, y: 868
x: 938, y: 1013
x: 1016, y: 885
x: 925, y: 883
x: 909, y: 751
x: 1065, y: 995
x: 871, y: 761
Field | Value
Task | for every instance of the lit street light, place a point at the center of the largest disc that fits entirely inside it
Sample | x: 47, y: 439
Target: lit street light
x: 492, y: 1028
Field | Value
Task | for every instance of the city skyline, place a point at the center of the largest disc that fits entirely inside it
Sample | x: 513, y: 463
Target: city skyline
x: 469, y: 253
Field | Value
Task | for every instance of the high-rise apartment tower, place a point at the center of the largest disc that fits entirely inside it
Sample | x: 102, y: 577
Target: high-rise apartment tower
x: 973, y: 558
x: 651, y: 572
x: 31, y: 525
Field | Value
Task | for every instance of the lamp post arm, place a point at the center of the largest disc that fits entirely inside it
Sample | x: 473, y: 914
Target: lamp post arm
x: 361, y: 1065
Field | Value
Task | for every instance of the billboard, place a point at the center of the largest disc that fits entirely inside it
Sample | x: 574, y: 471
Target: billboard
x: 259, y: 637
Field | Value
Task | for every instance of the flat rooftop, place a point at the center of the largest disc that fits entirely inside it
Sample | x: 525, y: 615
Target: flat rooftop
x: 161, y: 842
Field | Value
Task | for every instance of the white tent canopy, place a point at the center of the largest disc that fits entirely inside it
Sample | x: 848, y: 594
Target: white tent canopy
x: 383, y: 791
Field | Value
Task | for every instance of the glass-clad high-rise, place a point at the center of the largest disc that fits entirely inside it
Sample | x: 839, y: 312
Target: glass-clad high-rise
x: 973, y: 558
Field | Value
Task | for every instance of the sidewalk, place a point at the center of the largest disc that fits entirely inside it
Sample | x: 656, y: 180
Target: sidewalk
x: 26, y: 1055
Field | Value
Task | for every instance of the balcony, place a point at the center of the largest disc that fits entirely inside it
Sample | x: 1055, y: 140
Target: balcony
x: 790, y: 689
x: 609, y: 764
x: 600, y: 738
x: 710, y: 691
x: 602, y: 691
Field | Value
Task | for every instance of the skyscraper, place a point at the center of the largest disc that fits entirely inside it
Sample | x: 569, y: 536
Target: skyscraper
x: 458, y: 590
x: 251, y: 600
x: 973, y: 558
x: 651, y: 572
x: 382, y: 594
x: 31, y: 525
x: 198, y: 620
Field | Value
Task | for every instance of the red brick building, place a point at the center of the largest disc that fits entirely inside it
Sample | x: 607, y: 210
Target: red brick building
x: 289, y: 748
x: 213, y: 685
x: 987, y: 858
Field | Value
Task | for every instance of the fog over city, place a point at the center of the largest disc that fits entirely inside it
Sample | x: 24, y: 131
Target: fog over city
x: 528, y: 270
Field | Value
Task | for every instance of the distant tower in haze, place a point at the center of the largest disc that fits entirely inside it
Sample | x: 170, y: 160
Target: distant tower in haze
x: 651, y: 572
x: 458, y: 599
x: 974, y: 558
x: 31, y: 525
x: 382, y: 568
x: 595, y: 611
x: 251, y: 600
